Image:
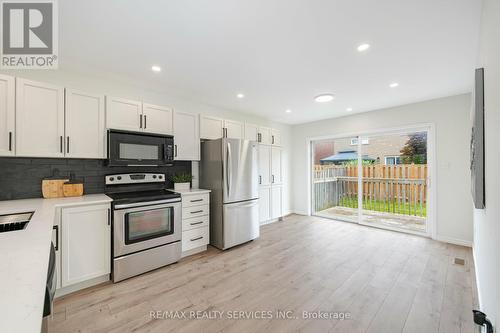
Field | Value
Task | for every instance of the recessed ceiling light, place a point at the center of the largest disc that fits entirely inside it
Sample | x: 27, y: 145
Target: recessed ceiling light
x: 240, y: 96
x: 323, y: 98
x: 348, y: 109
x: 156, y: 68
x: 394, y: 85
x: 288, y: 111
x: 363, y: 47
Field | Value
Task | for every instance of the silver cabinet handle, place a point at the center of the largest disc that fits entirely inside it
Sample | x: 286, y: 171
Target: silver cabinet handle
x: 61, y: 144
x: 56, y: 228
x: 272, y: 139
x: 109, y: 216
x: 140, y: 121
x: 67, y: 144
x: 273, y: 179
x: 145, y: 121
x: 195, y: 223
x: 10, y: 141
x: 195, y: 239
x: 197, y: 211
x: 197, y: 200
x: 175, y: 150
x: 260, y: 179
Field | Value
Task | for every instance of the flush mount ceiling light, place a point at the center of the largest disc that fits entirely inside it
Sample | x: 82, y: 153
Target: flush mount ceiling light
x: 288, y: 111
x: 394, y: 85
x: 348, y: 109
x: 156, y: 69
x: 240, y: 96
x: 323, y: 98
x: 363, y: 47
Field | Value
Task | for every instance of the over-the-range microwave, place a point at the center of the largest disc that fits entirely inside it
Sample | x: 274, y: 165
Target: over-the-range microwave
x: 126, y: 148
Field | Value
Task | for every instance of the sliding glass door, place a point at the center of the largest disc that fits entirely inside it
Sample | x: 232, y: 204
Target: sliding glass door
x: 378, y: 180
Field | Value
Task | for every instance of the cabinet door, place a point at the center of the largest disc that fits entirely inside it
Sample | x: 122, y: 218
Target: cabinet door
x: 211, y: 127
x: 7, y: 115
x: 276, y: 165
x: 123, y: 114
x: 251, y: 132
x: 186, y: 136
x: 85, y: 125
x: 86, y: 243
x: 264, y: 165
x: 264, y: 204
x: 39, y: 119
x: 234, y: 129
x: 275, y: 137
x: 265, y: 135
x: 276, y: 199
x: 157, y: 119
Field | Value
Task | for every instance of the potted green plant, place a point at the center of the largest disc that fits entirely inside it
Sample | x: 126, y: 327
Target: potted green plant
x: 182, y: 181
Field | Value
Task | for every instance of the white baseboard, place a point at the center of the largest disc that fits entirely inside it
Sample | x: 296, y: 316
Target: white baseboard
x: 81, y: 285
x: 455, y: 241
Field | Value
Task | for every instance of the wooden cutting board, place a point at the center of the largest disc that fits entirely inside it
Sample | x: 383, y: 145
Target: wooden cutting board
x: 53, y: 188
x: 73, y: 190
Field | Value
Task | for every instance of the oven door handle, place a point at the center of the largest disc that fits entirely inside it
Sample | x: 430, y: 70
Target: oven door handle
x: 146, y: 203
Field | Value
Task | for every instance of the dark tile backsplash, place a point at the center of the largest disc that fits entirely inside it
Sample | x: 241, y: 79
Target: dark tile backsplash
x: 21, y: 178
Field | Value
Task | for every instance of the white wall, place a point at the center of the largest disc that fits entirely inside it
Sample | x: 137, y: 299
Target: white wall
x: 451, y: 119
x: 487, y: 221
x: 127, y: 88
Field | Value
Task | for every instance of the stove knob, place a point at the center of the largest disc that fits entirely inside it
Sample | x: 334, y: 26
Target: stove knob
x: 154, y: 176
x: 160, y: 176
x: 119, y: 177
x: 111, y: 179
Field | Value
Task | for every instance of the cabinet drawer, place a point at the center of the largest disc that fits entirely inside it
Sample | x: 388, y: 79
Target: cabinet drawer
x: 195, y: 200
x: 194, y: 238
x: 195, y: 211
x: 195, y: 222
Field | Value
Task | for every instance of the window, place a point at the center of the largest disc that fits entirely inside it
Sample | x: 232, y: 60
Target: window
x: 364, y: 141
x: 392, y: 160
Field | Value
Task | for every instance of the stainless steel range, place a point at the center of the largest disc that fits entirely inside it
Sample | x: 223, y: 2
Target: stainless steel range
x: 146, y: 223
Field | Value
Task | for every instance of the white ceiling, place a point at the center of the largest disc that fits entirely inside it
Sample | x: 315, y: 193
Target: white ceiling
x: 279, y: 53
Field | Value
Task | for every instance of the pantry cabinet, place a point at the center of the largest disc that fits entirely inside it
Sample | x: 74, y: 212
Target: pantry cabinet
x: 186, y: 136
x: 264, y: 203
x: 86, y: 243
x: 276, y: 165
x: 7, y: 115
x: 39, y: 119
x: 85, y: 134
x: 265, y: 171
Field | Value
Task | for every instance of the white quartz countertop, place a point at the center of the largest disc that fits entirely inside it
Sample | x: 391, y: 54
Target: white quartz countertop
x: 24, y: 259
x: 191, y: 191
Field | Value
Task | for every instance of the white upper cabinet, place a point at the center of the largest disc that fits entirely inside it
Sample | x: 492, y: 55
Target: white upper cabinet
x: 276, y: 165
x: 186, y: 136
x: 234, y: 129
x: 265, y: 135
x: 157, y: 119
x: 7, y: 115
x: 39, y: 119
x: 85, y: 125
x: 211, y: 128
x: 265, y: 165
x: 251, y: 132
x: 275, y: 137
x: 123, y: 114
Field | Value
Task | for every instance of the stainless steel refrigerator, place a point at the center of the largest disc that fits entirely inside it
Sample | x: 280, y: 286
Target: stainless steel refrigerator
x: 229, y: 168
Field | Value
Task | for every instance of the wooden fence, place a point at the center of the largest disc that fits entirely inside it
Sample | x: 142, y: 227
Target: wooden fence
x: 391, y: 188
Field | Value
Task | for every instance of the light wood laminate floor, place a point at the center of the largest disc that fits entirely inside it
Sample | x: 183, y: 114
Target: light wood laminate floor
x: 386, y: 281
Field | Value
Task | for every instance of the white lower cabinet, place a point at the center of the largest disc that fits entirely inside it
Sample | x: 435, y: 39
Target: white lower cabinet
x: 85, y: 243
x: 276, y: 202
x: 195, y: 221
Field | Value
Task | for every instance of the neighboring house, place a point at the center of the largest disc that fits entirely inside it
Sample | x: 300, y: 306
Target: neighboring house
x: 382, y: 149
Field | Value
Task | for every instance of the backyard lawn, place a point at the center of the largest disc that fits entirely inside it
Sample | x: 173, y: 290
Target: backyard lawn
x: 384, y: 206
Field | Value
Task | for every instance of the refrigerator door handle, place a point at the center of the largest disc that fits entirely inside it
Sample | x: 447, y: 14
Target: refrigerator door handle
x: 228, y: 169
